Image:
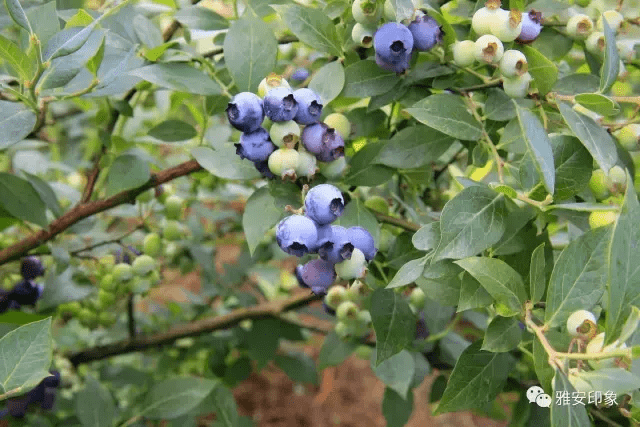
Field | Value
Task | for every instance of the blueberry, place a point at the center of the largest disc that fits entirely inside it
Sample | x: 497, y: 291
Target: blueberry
x: 422, y: 331
x: 125, y: 256
x: 263, y: 168
x: 312, y: 137
x: 255, y: 146
x: 328, y: 309
x: 48, y: 399
x: 26, y: 293
x: 299, y: 75
x: 317, y: 274
x: 334, y: 244
x: 31, y: 268
x: 332, y: 146
x: 280, y: 105
x: 398, y: 67
x: 297, y: 235
x: 18, y: 406
x: 309, y: 106
x: 324, y: 204
x: 531, y: 26
x: 362, y: 239
x: 426, y: 32
x: 393, y: 43
x: 53, y: 380
x: 354, y: 267
x: 245, y: 112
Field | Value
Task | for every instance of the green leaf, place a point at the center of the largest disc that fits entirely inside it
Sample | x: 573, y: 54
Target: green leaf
x: 366, y: 78
x: 224, y: 163
x: 576, y: 84
x: 26, y: 356
x: 68, y: 41
x: 17, y: 14
x: 502, y: 282
x: 427, y: 237
x: 413, y: 147
x: 173, y: 130
x: 260, y: 215
x: 175, y: 397
x: 20, y: 317
x: 328, y: 81
x: 397, y: 372
x: 94, y: 405
x: 498, y: 106
x: 16, y: 59
x: 46, y: 193
x: 127, y: 171
x: 40, y: 18
x: 80, y: 19
x: 538, y: 146
x: 616, y: 380
x: 356, y: 214
x: 598, y: 103
x: 147, y: 32
x: 93, y: 64
x: 472, y: 294
x: 573, y: 165
x: 20, y: 199
x: 543, y: 71
x: 503, y: 334
x: 578, y: 278
x: 263, y: 340
x: 566, y: 415
x: 630, y: 325
x: 312, y: 26
x: 61, y: 288
x: 403, y: 9
x: 441, y: 282
x: 408, y: 273
x: 447, y: 114
x: 225, y: 407
x: 179, y: 77
x: 200, y: 18
x: 475, y: 370
x: 611, y: 63
x: 395, y: 409
x: 537, y: 279
x: 298, y: 366
x: 250, y: 51
x: 16, y: 122
x: 470, y: 222
x: 593, y: 136
x: 623, y: 264
x: 155, y: 53
x: 334, y: 350
x: 364, y: 171
x: 393, y: 322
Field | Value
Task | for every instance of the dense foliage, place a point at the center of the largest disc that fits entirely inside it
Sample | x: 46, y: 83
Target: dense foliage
x: 457, y: 178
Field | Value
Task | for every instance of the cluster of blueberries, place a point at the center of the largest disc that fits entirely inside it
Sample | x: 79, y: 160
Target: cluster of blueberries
x: 272, y: 151
x: 343, y: 251
x: 26, y: 292
x: 495, y: 26
x: 43, y: 394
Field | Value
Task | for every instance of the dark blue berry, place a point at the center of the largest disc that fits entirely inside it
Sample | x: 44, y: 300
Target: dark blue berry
x: 312, y: 136
x: 255, y: 146
x: 309, y: 106
x: 31, y: 267
x: 393, y: 44
x: 245, y: 112
x: 123, y: 256
x: 398, y: 67
x: 426, y: 33
x: 317, y: 274
x: 26, y: 293
x: 297, y: 235
x: 363, y: 240
x: 334, y: 245
x: 324, y: 204
x: 280, y: 105
x: 263, y: 168
x: 531, y: 26
x: 299, y: 75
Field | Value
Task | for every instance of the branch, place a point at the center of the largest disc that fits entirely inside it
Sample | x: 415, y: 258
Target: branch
x: 409, y: 226
x: 271, y: 309
x: 80, y: 212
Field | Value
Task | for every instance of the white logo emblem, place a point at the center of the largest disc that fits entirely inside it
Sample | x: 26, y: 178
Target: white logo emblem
x: 536, y: 394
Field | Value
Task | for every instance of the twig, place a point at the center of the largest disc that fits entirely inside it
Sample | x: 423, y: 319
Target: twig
x: 131, y: 316
x: 603, y: 417
x: 209, y: 324
x: 107, y: 242
x: 399, y: 222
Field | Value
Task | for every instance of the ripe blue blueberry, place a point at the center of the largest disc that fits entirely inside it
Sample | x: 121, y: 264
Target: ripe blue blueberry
x: 312, y: 137
x: 531, y: 26
x: 362, y: 239
x: 125, y: 256
x: 255, y: 146
x: 297, y: 235
x: 426, y: 32
x: 26, y: 293
x: 300, y: 75
x: 334, y: 244
x: 280, y: 105
x: 322, y: 141
x: 31, y: 267
x: 245, y: 112
x: 393, y: 43
x: 317, y: 274
x: 324, y: 204
x: 263, y: 168
x: 309, y: 106
x: 398, y: 67
x: 422, y: 330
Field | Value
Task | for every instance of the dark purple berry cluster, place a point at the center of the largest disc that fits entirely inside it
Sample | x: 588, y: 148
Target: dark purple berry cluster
x: 273, y: 146
x: 26, y: 292
x: 341, y: 250
x: 43, y: 395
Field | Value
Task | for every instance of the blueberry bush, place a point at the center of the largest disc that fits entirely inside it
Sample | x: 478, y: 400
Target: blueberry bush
x: 456, y: 179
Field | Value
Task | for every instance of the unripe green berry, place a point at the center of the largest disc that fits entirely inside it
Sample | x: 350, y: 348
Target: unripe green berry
x: 307, y: 164
x: 389, y: 11
x: 507, y: 25
x: 71, y: 307
x: 464, y: 53
x: 107, y: 319
x: 353, y: 268
x: 629, y: 136
x: 596, y: 345
x: 595, y: 43
x: 342, y: 330
x: 347, y: 311
x: 105, y: 298
x: 489, y: 49
x: 173, y: 206
x: 283, y: 162
x: 107, y: 262
x: 602, y: 218
x: 598, y: 184
x: 108, y: 282
x: 172, y: 230
x: 417, y: 298
x: 377, y: 204
x: 364, y: 351
x: 146, y: 196
x: 366, y: 12
x: 581, y: 323
x: 513, y: 63
x: 143, y: 265
x: 340, y: 123
x: 122, y: 272
x: 483, y: 18
x: 357, y: 291
x: 86, y: 316
x: 579, y: 26
x: 335, y: 296
x: 617, y: 180
x: 362, y: 35
x: 334, y: 169
x: 152, y: 244
x: 614, y: 19
x: 285, y: 134
x: 272, y: 81
x: 364, y: 318
x: 518, y: 86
